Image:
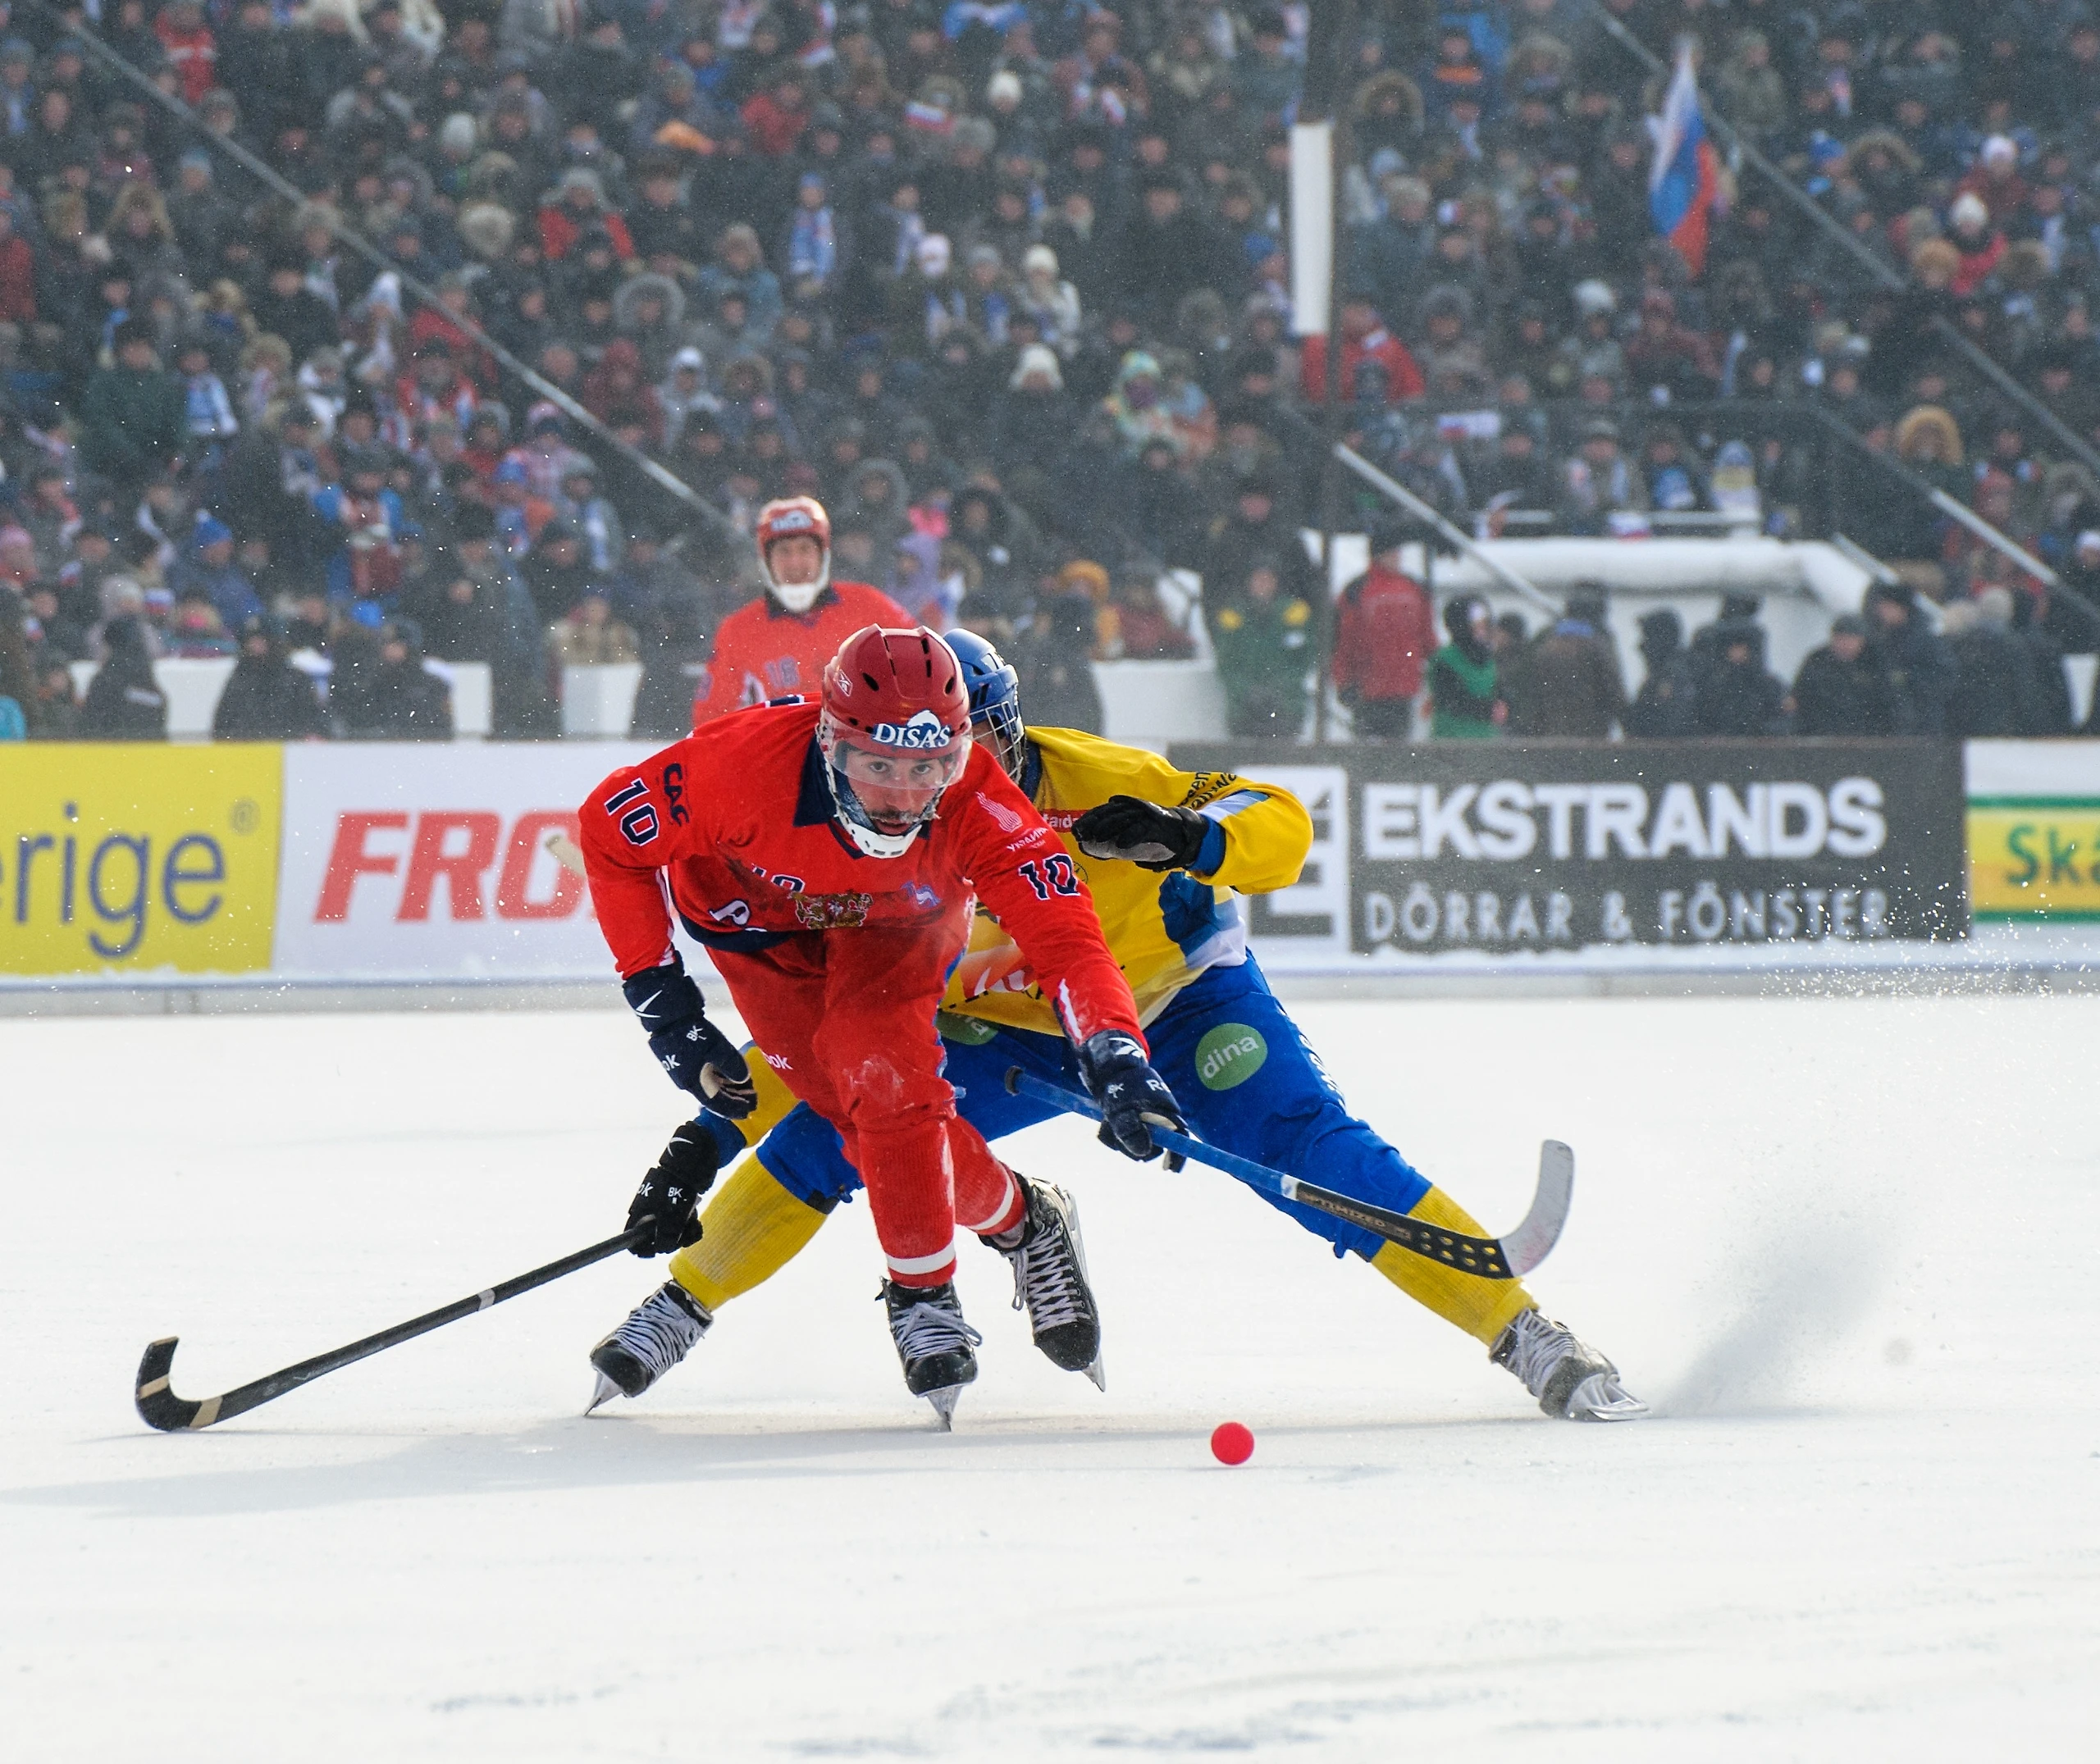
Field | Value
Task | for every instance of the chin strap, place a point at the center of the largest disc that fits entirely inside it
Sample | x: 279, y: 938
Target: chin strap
x: 871, y: 844
x: 799, y: 597
x: 867, y: 841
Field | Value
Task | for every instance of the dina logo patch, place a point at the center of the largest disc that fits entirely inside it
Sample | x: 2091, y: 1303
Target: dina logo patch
x: 1228, y: 1055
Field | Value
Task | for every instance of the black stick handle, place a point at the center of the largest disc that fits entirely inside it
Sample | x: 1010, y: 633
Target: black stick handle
x: 1455, y: 1249
x: 160, y: 1407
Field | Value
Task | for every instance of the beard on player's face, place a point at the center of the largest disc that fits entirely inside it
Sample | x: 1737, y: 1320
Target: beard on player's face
x: 897, y: 791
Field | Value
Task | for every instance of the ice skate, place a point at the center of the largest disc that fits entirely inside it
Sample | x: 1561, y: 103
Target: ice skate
x: 1571, y: 1379
x: 1050, y: 1280
x: 657, y: 1333
x: 933, y: 1343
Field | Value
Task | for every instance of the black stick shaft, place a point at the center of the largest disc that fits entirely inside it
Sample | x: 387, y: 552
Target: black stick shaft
x: 1455, y: 1249
x: 160, y: 1407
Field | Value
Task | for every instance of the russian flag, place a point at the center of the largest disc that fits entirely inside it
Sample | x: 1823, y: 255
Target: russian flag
x: 1684, y: 182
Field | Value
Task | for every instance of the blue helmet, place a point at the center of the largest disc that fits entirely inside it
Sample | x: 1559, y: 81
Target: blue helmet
x: 995, y: 690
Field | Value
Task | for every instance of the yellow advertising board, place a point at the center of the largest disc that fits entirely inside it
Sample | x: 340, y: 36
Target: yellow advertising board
x: 139, y: 858
x: 2034, y: 856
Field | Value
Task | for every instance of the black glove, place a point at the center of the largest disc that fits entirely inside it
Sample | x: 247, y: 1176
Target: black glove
x: 1133, y: 1098
x: 1148, y: 834
x: 669, y: 1194
x: 699, y: 1058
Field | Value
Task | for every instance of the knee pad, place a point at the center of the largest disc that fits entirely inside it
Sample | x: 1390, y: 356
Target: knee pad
x: 804, y: 1155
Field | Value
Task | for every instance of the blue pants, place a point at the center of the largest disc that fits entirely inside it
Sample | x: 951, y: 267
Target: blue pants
x: 1241, y: 1072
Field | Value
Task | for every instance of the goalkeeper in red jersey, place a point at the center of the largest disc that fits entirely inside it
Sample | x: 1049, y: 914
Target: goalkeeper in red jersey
x: 828, y: 857
x: 780, y: 643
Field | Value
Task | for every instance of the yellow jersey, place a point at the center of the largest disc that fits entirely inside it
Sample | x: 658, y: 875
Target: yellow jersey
x: 1164, y: 929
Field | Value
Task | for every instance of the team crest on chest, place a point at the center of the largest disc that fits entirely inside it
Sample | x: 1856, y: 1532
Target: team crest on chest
x: 830, y: 912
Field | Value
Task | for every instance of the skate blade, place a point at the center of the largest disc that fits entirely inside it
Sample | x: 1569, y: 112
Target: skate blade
x: 606, y: 1390
x: 944, y: 1401
x: 1098, y: 1372
x: 1600, y: 1398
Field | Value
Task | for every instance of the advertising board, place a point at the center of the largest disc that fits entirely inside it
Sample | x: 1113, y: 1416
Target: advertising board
x: 2035, y: 857
x: 406, y: 862
x: 1502, y: 848
x: 2034, y: 830
x: 376, y: 862
x: 131, y: 859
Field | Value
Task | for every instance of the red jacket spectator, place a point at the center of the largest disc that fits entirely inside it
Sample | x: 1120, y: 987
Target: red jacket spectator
x: 579, y: 204
x: 777, y: 117
x: 1982, y: 246
x: 617, y: 394
x: 1996, y: 182
x: 1384, y: 636
x: 1146, y: 634
x: 1662, y: 352
x: 558, y: 234
x: 468, y: 356
x: 191, y: 49
x: 1364, y: 338
x: 1977, y: 265
x: 17, y: 277
x: 422, y: 393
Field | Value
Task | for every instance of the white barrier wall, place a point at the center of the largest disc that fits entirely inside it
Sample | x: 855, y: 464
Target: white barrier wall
x: 1149, y: 704
x: 1803, y: 586
x: 599, y: 701
x: 193, y: 684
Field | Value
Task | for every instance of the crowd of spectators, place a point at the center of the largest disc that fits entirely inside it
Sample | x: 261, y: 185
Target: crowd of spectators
x: 1003, y: 282
x: 1974, y: 669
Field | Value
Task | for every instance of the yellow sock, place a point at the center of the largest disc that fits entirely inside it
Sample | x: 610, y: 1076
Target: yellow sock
x: 752, y: 1228
x: 1482, y: 1308
x: 775, y: 1098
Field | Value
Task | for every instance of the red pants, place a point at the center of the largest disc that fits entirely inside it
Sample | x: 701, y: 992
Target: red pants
x: 846, y: 1018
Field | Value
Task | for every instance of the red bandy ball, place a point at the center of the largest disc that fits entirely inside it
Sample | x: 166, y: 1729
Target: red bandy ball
x: 1232, y: 1443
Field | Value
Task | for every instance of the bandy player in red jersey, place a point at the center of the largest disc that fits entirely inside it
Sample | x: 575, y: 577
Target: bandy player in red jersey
x: 829, y: 856
x: 780, y: 642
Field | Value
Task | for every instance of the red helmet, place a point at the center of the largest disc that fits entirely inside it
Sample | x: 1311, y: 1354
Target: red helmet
x: 794, y: 518
x: 894, y: 732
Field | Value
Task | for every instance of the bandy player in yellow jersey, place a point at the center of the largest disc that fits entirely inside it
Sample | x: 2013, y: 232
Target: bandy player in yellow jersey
x: 1158, y: 849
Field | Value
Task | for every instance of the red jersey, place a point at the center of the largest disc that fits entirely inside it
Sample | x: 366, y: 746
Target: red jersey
x: 763, y: 651
x: 1403, y: 377
x: 733, y: 829
x: 194, y: 56
x: 1383, y: 635
x: 560, y: 230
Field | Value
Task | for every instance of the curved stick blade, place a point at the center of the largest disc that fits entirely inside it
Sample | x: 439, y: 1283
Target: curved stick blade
x: 1533, y: 1240
x: 158, y: 1406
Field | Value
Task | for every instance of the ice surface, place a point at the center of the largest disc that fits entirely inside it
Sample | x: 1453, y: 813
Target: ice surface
x: 1846, y: 1246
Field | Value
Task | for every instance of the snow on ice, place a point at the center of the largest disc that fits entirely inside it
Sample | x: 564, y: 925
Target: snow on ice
x: 1842, y: 1246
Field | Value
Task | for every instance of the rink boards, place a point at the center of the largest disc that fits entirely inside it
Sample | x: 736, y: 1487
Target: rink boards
x: 350, y: 863
x: 357, y: 862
